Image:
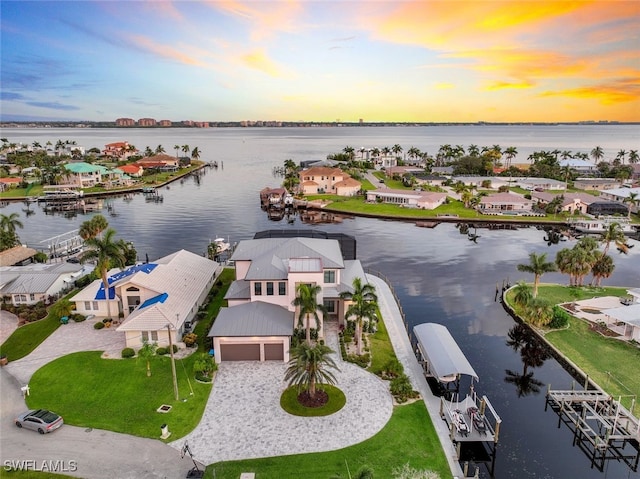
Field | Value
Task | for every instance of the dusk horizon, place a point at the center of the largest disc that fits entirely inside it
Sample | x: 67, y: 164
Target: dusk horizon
x: 379, y: 62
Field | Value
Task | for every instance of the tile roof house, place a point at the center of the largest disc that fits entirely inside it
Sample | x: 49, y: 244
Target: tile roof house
x: 86, y: 175
x: 135, y: 171
x: 37, y: 281
x: 119, y: 149
x: 571, y: 203
x: 18, y: 255
x: 322, y: 179
x: 260, y: 318
x: 505, y: 203
x: 152, y: 296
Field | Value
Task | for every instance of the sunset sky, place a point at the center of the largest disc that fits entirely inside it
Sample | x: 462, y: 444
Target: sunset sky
x: 420, y: 61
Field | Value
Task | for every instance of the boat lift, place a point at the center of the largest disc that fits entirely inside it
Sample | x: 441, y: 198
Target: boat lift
x: 64, y: 244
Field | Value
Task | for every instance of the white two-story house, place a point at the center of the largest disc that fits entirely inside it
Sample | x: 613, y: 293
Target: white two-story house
x: 261, y: 318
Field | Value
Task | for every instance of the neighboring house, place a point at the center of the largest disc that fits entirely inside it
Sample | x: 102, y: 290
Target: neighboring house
x: 571, y: 203
x: 347, y: 187
x: 86, y: 175
x: 38, y: 282
x: 161, y: 159
x: 635, y: 171
x: 619, y: 195
x: 260, y: 318
x: 134, y: 171
x: 121, y: 150
x: 154, y: 299
x: 579, y: 165
x: 390, y: 172
x: 505, y: 203
x: 322, y: 179
x: 626, y: 319
x: 425, y: 200
x: 442, y: 170
x: 477, y: 181
x: 544, y: 183
x: 9, y: 182
x: 17, y: 256
x: 430, y: 180
x: 596, y: 183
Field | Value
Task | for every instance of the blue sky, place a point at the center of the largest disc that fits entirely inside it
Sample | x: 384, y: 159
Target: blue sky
x: 451, y: 60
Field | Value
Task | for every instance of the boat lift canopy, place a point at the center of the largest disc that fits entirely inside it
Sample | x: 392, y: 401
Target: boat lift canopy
x: 440, y: 350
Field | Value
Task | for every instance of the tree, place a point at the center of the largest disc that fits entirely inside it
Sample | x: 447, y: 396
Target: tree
x: 177, y: 148
x: 602, y: 268
x: 597, y: 154
x: 614, y: 234
x: 633, y: 157
x: 522, y: 294
x: 159, y: 149
x: 8, y: 235
x: 633, y: 201
x: 510, y: 153
x: 538, y: 265
x: 146, y: 352
x: 308, y: 367
x: 195, y: 153
x: 620, y: 156
x: 107, y: 253
x: 364, y: 304
x: 93, y: 227
x: 539, y: 312
x: 396, y: 149
x: 185, y: 149
x: 205, y: 364
x: 308, y: 306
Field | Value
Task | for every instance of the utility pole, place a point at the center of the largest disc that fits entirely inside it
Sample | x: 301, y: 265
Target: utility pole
x: 173, y: 363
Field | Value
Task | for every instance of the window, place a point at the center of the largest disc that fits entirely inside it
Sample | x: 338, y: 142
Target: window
x: 95, y: 305
x: 145, y: 337
x: 154, y: 335
x: 269, y: 288
x: 330, y: 276
x: 282, y: 288
x: 132, y: 288
x: 87, y: 305
x: 330, y: 304
x: 257, y: 289
x: 32, y: 297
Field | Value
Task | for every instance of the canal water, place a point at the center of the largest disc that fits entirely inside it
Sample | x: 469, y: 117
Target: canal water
x: 439, y: 274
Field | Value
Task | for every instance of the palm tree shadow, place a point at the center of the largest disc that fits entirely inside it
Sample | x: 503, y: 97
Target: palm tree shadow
x: 533, y: 355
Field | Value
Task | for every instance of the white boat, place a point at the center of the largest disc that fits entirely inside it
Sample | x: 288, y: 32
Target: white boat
x: 601, y: 224
x: 221, y: 244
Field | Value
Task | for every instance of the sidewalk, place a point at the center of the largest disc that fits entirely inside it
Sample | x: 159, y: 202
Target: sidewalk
x: 402, y: 345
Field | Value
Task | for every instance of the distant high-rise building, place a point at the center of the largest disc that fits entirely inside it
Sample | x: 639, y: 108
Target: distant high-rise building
x: 147, y: 122
x: 125, y: 122
x: 164, y: 123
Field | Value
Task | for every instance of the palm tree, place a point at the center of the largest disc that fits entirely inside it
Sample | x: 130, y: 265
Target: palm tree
x: 177, y: 148
x: 602, y: 268
x: 8, y: 236
x: 473, y: 150
x: 538, y: 265
x: 146, y: 352
x: 633, y: 200
x: 597, y: 154
x: 306, y: 300
x: 510, y: 153
x: 349, y: 151
x: 522, y: 294
x: 614, y: 234
x: 185, y: 149
x: 195, y: 153
x: 93, y: 227
x: 396, y: 149
x: 620, y: 156
x: 107, y: 253
x: 539, y: 312
x: 364, y: 304
x: 633, y: 157
x: 307, y: 367
x: 159, y: 149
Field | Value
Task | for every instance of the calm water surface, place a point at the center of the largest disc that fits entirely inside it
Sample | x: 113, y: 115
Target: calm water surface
x: 439, y: 275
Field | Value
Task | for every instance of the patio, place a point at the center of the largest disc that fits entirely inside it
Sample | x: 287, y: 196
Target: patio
x: 594, y: 311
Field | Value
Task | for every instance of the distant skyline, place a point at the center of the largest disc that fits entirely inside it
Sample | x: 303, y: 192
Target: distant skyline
x: 380, y: 61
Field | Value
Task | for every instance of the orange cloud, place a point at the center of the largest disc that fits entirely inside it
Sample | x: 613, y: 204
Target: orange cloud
x: 620, y: 91
x: 501, y: 85
x: 166, y: 51
x: 258, y: 60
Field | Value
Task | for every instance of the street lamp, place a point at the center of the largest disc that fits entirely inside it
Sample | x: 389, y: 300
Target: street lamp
x: 173, y: 362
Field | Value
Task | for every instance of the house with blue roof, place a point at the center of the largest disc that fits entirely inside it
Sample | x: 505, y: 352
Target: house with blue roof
x: 153, y: 300
x: 86, y: 175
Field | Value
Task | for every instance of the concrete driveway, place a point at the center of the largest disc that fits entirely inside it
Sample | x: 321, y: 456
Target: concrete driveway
x: 243, y: 418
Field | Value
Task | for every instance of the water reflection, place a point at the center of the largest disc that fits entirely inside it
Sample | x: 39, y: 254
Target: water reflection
x: 533, y: 354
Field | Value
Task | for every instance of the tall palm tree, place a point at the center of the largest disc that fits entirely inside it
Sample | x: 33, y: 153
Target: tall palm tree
x: 396, y: 149
x: 621, y: 155
x: 8, y: 236
x: 349, y: 151
x: 364, y: 304
x: 602, y: 268
x: 510, y: 153
x: 473, y: 150
x: 108, y: 254
x: 306, y: 300
x: 177, y: 148
x: 633, y: 157
x: 146, y: 352
x: 538, y: 265
x: 186, y: 149
x: 614, y: 234
x: 308, y: 367
x: 159, y: 149
x: 633, y: 200
x: 597, y: 154
x: 195, y: 153
x: 93, y: 227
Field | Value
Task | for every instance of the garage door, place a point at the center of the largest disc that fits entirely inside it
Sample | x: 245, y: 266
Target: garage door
x: 240, y: 352
x: 273, y: 352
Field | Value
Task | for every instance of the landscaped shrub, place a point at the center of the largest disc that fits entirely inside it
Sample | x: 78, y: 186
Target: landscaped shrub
x: 401, y: 388
x: 127, y: 352
x: 82, y: 282
x: 560, y: 318
x: 392, y: 369
x: 190, y: 339
x: 98, y: 326
x: 78, y: 318
x: 362, y: 360
x: 161, y: 351
x: 174, y: 347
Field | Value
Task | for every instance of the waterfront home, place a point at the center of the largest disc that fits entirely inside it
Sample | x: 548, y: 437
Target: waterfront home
x: 18, y: 255
x: 120, y: 150
x: 400, y: 171
x: 152, y: 299
x: 322, y: 179
x: 165, y: 161
x: 9, y: 182
x: 579, y: 165
x: 36, y: 282
x: 132, y: 170
x: 540, y: 183
x: 86, y: 175
x: 477, y: 181
x: 260, y: 318
x: 596, y: 183
x: 505, y: 204
x: 620, y: 195
x: 571, y: 202
x: 425, y: 200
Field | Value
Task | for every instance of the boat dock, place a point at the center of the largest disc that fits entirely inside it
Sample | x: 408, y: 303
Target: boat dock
x: 602, y: 427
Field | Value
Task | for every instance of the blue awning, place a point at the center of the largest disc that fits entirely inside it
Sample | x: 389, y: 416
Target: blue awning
x: 161, y: 298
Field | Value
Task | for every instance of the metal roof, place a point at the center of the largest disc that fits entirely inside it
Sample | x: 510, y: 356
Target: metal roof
x: 441, y: 351
x: 253, y: 319
x: 627, y: 314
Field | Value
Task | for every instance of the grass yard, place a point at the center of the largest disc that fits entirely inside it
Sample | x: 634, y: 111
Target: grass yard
x: 409, y: 436
x: 609, y: 362
x: 26, y: 474
x: 381, y: 349
x: 289, y: 402
x: 203, y: 326
x: 117, y: 395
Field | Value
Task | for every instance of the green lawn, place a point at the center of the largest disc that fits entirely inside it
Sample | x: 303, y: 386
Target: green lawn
x: 409, y: 436
x: 381, y: 349
x: 609, y: 362
x: 289, y: 402
x: 25, y: 474
x: 203, y: 326
x: 117, y: 395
